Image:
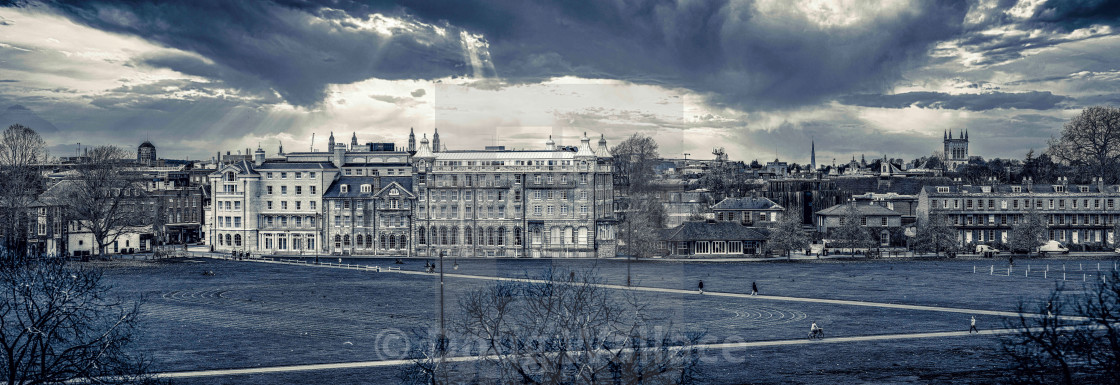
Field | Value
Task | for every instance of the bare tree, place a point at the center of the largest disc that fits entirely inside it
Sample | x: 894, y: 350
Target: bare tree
x: 105, y: 198
x: 59, y: 325
x: 1029, y: 233
x: 934, y: 234
x: 642, y: 225
x: 1091, y: 141
x: 788, y: 235
x: 1068, y: 339
x: 852, y: 232
x: 22, y: 151
x: 560, y: 328
x: 634, y: 160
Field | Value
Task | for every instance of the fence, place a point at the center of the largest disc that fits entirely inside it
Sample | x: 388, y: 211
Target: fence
x: 1065, y: 273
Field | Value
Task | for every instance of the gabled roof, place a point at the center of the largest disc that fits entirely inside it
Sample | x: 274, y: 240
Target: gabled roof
x: 355, y: 182
x: 861, y: 209
x: 241, y: 167
x: 714, y: 231
x: 391, y: 184
x: 1034, y: 188
x: 754, y: 203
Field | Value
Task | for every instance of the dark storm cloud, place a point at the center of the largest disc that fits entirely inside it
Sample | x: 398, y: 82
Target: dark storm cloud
x: 1074, y: 14
x: 1034, y: 100
x: 727, y: 50
x: 292, y: 48
x: 9, y: 81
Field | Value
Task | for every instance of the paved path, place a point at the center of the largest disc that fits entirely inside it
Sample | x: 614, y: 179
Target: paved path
x: 720, y: 346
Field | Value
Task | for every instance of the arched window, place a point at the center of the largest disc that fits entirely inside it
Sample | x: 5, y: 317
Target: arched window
x: 230, y: 177
x: 517, y: 236
x: 229, y: 241
x: 420, y: 232
x: 435, y: 235
x: 583, y: 235
x: 369, y: 241
x: 402, y: 240
x: 570, y: 235
x: 555, y: 236
x: 221, y: 241
x: 337, y: 241
x: 382, y: 242
x: 346, y: 240
x: 501, y: 236
x: 490, y: 236
x: 454, y: 235
x: 237, y: 240
x: 443, y: 235
x: 468, y: 236
x: 481, y: 236
x: 358, y: 240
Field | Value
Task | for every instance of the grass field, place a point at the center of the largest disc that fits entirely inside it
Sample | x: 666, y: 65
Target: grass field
x: 256, y: 315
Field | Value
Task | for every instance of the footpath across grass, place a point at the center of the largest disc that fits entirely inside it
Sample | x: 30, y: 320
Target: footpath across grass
x: 250, y: 314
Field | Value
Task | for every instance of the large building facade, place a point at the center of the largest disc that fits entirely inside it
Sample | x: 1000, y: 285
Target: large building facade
x: 1074, y: 214
x: 956, y: 150
x: 371, y: 200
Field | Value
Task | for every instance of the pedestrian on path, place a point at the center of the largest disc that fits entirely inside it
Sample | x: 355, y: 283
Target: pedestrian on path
x: 701, y: 286
x: 973, y: 327
x: 754, y: 288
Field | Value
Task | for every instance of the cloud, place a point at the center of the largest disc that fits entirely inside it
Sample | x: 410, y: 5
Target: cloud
x: 9, y: 81
x: 418, y: 93
x: 403, y: 102
x: 1034, y: 100
x: 750, y: 55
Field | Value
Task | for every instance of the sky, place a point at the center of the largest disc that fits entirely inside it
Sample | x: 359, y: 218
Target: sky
x: 760, y: 78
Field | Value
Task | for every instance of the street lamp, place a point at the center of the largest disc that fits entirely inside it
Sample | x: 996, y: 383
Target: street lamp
x: 442, y: 326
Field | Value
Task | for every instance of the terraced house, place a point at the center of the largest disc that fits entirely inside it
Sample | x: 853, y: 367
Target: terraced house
x: 1080, y: 214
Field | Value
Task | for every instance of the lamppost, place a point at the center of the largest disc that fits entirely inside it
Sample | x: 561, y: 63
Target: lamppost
x: 442, y: 326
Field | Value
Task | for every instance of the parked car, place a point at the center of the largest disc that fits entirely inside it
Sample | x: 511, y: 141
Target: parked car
x: 1053, y: 247
x: 987, y: 251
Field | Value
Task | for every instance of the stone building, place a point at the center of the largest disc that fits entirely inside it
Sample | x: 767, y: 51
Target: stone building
x: 1079, y: 214
x: 531, y: 203
x: 752, y: 211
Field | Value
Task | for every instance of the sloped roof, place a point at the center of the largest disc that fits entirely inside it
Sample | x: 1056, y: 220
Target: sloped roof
x: 355, y: 182
x: 753, y: 203
x: 714, y: 231
x: 1034, y: 188
x: 862, y: 209
x: 283, y: 165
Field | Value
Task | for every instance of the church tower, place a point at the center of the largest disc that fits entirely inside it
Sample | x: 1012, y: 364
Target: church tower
x: 330, y: 142
x: 354, y: 142
x: 411, y: 140
x: 956, y: 149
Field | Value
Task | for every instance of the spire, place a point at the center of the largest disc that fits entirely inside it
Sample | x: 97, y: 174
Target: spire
x: 813, y: 154
x: 950, y: 135
x: 945, y: 134
x: 603, y: 151
x: 585, y: 146
x: 330, y: 142
x: 424, y: 151
x: 411, y: 140
x: 354, y: 141
x: 965, y: 134
x: 435, y: 141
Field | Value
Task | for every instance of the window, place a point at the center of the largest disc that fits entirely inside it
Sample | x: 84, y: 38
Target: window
x: 312, y: 188
x: 283, y: 175
x: 942, y: 189
x: 297, y: 205
x: 1059, y: 188
x: 863, y: 221
x: 299, y: 189
x: 345, y: 188
x: 1017, y: 189
x: 283, y: 205
x: 299, y: 175
x: 283, y: 190
x: 268, y: 204
x: 269, y: 175
x: 1084, y: 189
x: 366, y: 188
x: 883, y: 221
x: 551, y: 210
x: 269, y: 190
x: 311, y: 205
x: 537, y: 210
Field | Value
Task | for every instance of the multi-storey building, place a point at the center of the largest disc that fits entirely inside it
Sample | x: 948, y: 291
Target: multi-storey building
x: 1078, y: 214
x: 371, y: 200
x: 532, y: 203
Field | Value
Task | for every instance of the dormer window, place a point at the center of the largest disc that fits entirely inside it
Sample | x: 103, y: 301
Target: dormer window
x: 942, y: 189
x: 1059, y: 188
x: 986, y: 189
x: 1084, y: 189
x: 1017, y: 189
x: 344, y: 188
x: 366, y: 188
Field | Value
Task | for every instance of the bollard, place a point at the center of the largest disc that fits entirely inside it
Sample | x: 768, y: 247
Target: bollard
x: 1083, y: 278
x: 1063, y: 276
x: 1027, y: 273
x: 1080, y: 267
x: 1047, y: 267
x: 992, y: 270
x: 1044, y: 274
x: 973, y: 269
x: 1009, y: 271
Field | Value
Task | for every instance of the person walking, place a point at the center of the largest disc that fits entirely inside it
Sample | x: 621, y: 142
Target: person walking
x: 754, y: 288
x: 973, y: 328
x: 701, y: 286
